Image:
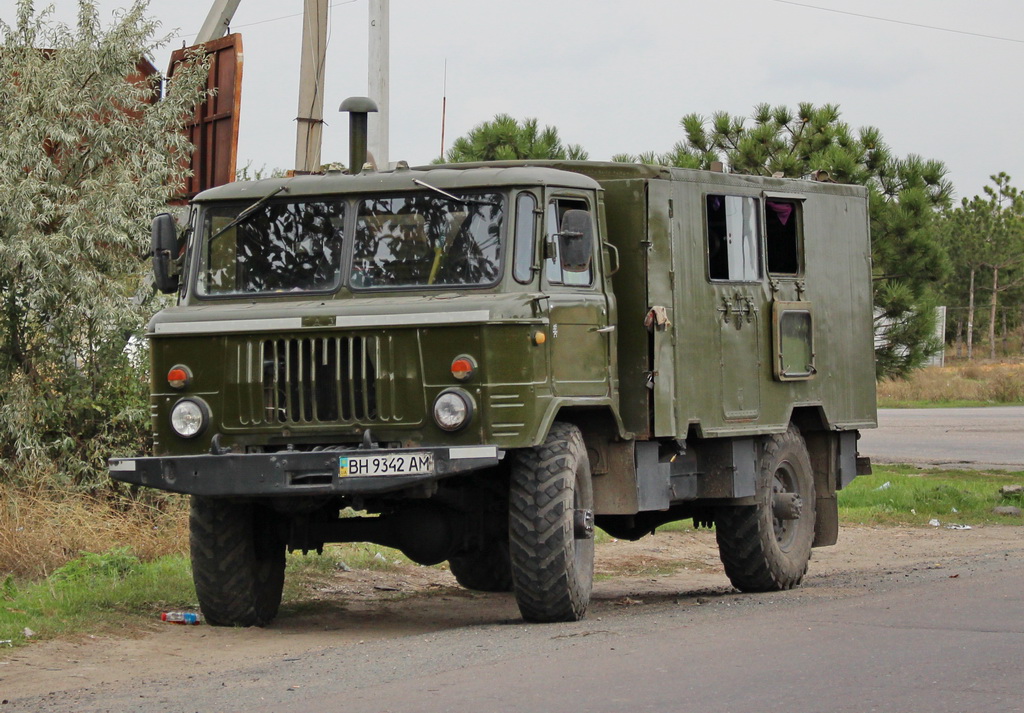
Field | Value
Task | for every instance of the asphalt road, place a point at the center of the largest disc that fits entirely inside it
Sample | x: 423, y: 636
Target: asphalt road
x: 917, y: 639
x: 982, y: 438
x: 949, y: 643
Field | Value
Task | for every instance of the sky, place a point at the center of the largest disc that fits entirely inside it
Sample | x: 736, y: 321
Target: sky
x: 616, y: 77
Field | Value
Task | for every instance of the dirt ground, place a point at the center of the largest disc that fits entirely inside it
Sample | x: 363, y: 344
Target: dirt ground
x: 360, y: 606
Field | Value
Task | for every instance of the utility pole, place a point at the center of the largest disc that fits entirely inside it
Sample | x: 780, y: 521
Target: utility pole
x: 311, y: 86
x: 379, y: 72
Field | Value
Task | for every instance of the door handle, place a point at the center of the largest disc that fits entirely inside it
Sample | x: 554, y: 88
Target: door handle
x: 603, y: 330
x: 612, y: 250
x: 736, y: 309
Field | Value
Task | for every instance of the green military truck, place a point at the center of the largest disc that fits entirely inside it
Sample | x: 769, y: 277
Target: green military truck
x: 479, y: 363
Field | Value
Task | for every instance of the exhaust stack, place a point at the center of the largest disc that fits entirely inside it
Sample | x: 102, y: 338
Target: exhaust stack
x: 358, y: 109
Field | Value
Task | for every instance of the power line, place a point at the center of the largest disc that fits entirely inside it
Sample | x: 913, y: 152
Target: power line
x: 286, y: 17
x: 900, y: 22
x: 272, y: 19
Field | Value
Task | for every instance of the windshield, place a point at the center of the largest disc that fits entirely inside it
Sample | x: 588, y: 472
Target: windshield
x: 419, y: 239
x: 281, y: 247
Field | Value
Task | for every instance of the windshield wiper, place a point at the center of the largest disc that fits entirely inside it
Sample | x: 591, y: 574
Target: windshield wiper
x: 446, y: 194
x: 248, y: 212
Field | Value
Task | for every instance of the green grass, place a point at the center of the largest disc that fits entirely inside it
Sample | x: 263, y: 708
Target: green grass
x: 310, y: 571
x: 884, y: 402
x: 914, y: 496
x: 100, y: 593
x: 96, y: 593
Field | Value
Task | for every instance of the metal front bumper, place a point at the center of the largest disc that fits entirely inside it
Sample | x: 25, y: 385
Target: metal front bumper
x: 290, y: 472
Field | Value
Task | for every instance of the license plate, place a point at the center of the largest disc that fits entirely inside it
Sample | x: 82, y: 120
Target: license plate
x: 386, y: 464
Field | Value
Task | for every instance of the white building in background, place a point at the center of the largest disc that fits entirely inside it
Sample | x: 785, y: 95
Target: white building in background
x: 939, y: 359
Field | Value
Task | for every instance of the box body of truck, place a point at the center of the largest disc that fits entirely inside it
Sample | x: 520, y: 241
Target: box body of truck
x: 726, y: 334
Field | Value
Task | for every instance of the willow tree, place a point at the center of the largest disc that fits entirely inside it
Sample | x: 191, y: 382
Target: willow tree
x: 89, y: 154
x: 904, y: 194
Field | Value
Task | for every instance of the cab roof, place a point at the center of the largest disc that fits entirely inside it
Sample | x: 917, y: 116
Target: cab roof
x: 455, y: 177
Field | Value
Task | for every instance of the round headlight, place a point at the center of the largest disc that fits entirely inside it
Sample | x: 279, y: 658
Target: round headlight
x: 452, y: 410
x: 189, y: 418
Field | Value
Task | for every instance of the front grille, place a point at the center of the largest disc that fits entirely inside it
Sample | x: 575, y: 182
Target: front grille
x: 310, y: 380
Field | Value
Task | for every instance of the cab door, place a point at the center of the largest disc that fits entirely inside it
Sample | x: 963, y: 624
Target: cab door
x: 578, y: 310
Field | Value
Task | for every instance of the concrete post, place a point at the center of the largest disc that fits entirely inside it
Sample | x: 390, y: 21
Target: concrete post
x: 310, y: 119
x: 379, y: 72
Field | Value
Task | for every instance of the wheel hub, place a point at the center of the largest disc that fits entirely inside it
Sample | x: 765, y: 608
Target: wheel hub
x: 583, y: 524
x: 787, y: 506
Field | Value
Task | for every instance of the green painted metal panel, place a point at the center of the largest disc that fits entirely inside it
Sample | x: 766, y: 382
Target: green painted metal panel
x: 625, y: 203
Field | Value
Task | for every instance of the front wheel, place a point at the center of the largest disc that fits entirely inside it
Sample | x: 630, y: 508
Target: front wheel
x: 551, y: 532
x: 238, y: 559
x: 766, y: 547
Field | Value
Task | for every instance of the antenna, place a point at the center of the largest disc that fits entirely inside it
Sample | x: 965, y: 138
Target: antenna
x: 444, y: 104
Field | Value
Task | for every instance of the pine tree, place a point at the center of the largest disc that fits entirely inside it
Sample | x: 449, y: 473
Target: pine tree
x: 506, y: 139
x: 986, y: 234
x: 961, y: 231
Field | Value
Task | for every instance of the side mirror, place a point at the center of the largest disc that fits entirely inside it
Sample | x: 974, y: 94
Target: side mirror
x: 576, y: 241
x: 165, y: 252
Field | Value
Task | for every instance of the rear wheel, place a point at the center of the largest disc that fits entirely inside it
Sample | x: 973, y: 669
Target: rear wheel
x: 551, y: 532
x: 238, y: 558
x: 485, y: 570
x: 766, y: 547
